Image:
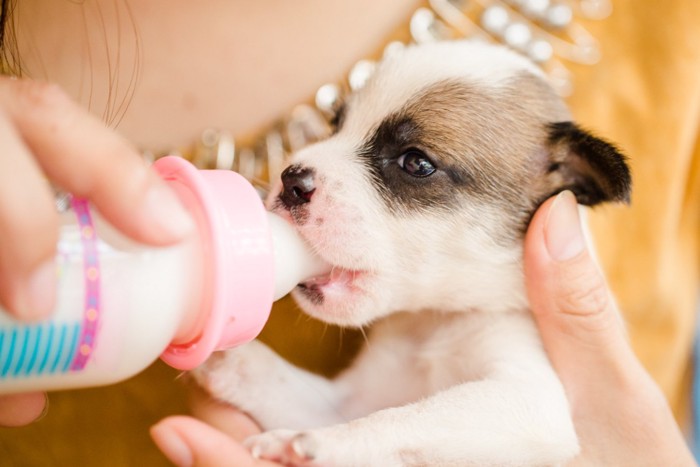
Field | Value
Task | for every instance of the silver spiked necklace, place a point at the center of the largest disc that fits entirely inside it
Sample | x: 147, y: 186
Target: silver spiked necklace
x: 546, y: 31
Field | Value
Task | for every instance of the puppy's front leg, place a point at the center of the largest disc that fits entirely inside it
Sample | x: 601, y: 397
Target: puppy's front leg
x: 489, y: 422
x: 275, y: 393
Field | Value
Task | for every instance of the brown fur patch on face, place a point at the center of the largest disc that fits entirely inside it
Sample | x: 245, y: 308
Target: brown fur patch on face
x: 486, y: 143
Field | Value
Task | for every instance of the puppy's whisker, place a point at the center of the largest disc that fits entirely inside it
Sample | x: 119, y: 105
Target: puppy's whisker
x: 324, y: 331
x: 341, y: 335
x: 364, y: 335
x: 300, y: 317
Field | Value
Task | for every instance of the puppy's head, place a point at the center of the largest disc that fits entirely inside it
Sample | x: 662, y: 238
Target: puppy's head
x: 422, y: 196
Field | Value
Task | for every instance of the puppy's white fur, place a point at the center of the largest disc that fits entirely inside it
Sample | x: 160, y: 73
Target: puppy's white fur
x: 453, y: 372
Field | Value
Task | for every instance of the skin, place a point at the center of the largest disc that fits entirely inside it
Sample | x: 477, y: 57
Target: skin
x: 78, y: 134
x: 619, y: 412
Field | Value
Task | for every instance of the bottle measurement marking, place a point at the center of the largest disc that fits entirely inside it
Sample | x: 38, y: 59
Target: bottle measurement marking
x: 91, y: 267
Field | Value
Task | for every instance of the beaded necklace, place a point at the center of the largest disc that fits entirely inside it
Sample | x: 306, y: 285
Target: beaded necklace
x: 546, y: 31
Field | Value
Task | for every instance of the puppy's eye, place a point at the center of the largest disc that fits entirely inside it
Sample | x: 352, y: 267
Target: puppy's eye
x: 416, y: 163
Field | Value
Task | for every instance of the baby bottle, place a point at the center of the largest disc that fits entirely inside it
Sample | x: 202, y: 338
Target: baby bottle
x: 120, y: 304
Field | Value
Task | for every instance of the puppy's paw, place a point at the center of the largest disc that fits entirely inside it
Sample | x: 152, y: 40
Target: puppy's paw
x: 289, y: 447
x: 231, y: 374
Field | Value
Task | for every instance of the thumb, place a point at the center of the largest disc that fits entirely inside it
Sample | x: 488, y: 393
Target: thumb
x: 575, y: 312
x: 186, y: 441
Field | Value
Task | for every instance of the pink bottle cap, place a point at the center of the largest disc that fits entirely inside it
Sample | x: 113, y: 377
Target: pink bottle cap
x: 238, y: 258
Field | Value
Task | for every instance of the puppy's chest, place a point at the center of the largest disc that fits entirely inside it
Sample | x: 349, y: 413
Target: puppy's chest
x: 439, y: 350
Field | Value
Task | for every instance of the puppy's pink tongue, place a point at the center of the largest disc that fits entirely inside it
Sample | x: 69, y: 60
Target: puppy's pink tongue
x: 323, y: 279
x: 341, y: 276
x: 338, y: 276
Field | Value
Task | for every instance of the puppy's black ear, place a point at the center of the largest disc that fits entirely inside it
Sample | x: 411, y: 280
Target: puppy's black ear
x: 593, y: 169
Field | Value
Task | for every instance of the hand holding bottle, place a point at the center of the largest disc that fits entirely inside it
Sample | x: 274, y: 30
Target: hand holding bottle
x: 45, y: 136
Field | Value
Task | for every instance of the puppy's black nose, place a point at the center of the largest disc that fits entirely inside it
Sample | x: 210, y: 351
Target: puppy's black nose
x: 298, y: 183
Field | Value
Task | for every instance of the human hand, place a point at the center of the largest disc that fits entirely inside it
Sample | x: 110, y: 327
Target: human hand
x: 186, y: 441
x: 43, y: 134
x: 620, y: 414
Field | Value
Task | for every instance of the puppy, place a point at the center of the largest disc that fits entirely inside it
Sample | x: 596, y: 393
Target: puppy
x: 420, y: 200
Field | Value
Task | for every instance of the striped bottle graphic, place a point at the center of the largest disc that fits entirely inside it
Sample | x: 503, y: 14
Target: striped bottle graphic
x: 38, y: 349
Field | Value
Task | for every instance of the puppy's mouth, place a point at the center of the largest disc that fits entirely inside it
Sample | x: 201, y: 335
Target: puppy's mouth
x: 338, y: 282
x: 336, y: 285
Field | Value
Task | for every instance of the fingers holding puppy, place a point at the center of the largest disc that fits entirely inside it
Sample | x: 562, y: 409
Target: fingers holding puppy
x: 619, y: 411
x: 569, y: 296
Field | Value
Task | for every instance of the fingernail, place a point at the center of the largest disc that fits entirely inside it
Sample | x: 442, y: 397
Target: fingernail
x: 172, y: 445
x: 45, y: 410
x: 562, y: 232
x: 37, y: 297
x: 166, y: 211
